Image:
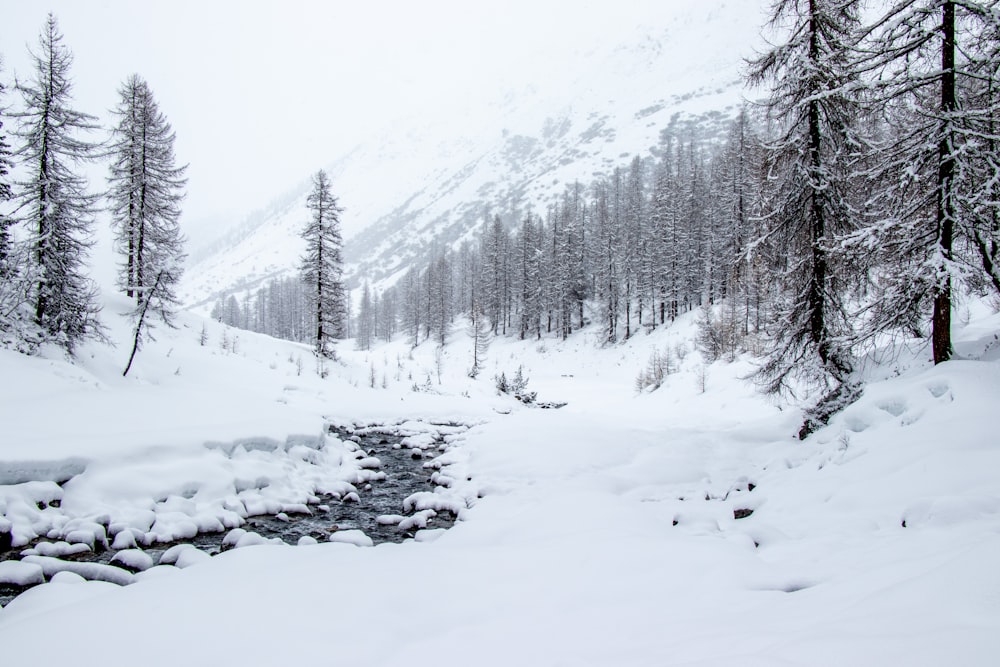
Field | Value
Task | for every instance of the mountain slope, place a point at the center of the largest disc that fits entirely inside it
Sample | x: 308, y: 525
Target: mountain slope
x: 430, y: 180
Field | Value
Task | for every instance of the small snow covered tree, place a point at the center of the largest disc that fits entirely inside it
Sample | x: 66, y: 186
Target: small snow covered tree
x: 479, y: 331
x: 145, y: 192
x: 53, y: 202
x: 809, y: 204
x: 322, y: 266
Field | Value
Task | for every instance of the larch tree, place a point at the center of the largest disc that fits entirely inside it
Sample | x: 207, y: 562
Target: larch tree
x: 494, y: 245
x: 366, y: 319
x: 387, y: 321
x: 528, y: 267
x: 812, y: 107
x: 440, y: 300
x: 145, y: 193
x: 11, y: 287
x: 934, y: 65
x: 6, y: 164
x: 53, y: 203
x: 979, y: 184
x: 606, y: 269
x: 322, y: 266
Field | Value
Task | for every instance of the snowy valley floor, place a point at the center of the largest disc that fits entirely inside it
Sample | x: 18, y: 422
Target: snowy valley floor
x: 602, y: 533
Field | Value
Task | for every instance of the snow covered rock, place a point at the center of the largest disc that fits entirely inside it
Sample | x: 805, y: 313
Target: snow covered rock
x: 19, y: 573
x: 190, y: 557
x: 238, y: 538
x: 57, y: 549
x: 124, y: 540
x: 170, y: 556
x: 355, y: 537
x: 418, y: 520
x: 89, y: 571
x: 135, y: 560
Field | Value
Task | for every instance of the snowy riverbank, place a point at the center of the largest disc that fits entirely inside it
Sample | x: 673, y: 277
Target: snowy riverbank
x: 603, y: 533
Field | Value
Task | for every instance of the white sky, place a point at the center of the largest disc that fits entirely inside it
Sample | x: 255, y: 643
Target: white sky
x: 261, y: 94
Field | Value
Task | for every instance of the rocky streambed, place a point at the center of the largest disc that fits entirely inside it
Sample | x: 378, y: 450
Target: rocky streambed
x: 396, y: 502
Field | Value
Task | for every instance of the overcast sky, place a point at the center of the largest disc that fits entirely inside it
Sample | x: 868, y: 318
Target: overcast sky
x: 261, y: 94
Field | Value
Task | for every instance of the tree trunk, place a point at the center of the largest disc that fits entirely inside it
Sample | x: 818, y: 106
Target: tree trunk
x: 941, y: 335
x: 817, y: 281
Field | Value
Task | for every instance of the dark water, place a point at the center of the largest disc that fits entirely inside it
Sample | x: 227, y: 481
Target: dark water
x: 405, y: 474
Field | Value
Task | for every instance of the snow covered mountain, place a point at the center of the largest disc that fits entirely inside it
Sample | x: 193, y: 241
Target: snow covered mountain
x: 433, y: 177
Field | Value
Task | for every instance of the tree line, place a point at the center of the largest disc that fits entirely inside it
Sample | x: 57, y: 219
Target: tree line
x: 846, y: 209
x: 46, y: 294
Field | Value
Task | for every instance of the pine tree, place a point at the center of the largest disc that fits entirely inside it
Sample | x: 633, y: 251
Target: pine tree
x: 53, y: 203
x: 145, y: 192
x: 809, y: 205
x: 322, y: 266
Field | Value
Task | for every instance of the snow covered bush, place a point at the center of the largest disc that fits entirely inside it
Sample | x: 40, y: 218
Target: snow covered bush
x: 516, y: 386
x: 659, y: 366
x: 718, y: 334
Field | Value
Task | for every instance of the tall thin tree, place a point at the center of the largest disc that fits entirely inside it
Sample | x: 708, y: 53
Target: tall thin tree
x: 53, y: 202
x: 322, y: 266
x: 145, y: 192
x: 6, y: 164
x: 812, y: 107
x: 937, y: 134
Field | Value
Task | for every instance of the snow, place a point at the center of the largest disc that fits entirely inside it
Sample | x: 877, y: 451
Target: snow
x: 18, y: 573
x: 89, y: 571
x: 133, y: 559
x: 604, y: 532
x: 352, y: 536
x: 58, y: 549
x: 238, y: 538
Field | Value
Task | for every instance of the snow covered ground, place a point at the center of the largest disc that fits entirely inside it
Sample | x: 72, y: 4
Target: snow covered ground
x: 601, y: 533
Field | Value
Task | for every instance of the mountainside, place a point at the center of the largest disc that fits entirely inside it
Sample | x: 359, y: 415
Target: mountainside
x: 433, y: 177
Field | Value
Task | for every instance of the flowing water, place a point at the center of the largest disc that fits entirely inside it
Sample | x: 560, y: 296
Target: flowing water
x: 405, y: 474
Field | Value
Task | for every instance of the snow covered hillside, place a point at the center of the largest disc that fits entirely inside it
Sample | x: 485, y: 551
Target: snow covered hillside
x: 684, y: 526
x: 429, y: 181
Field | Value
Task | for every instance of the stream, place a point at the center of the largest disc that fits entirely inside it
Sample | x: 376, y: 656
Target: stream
x: 405, y: 474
